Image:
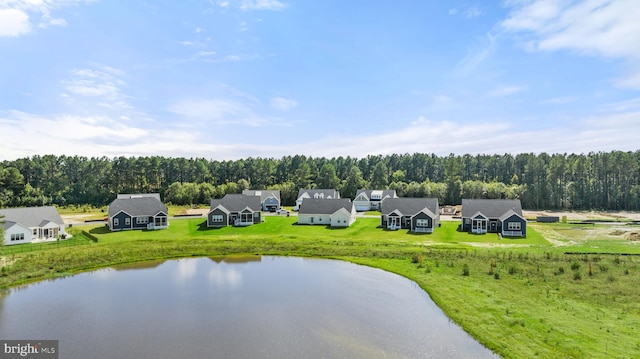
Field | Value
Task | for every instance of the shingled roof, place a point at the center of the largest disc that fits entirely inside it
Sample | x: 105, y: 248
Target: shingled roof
x: 237, y: 202
x: 31, y: 216
x: 135, y: 205
x: 409, y: 206
x: 263, y: 194
x: 320, y: 193
x: 325, y: 206
x: 491, y: 208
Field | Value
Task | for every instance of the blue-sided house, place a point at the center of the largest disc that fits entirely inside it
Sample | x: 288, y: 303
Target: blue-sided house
x: 503, y: 216
x: 418, y: 215
x: 234, y: 210
x: 137, y: 211
x: 32, y: 224
x: 269, y: 199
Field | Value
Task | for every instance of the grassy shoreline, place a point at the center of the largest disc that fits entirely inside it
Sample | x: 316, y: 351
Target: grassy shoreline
x: 527, y: 300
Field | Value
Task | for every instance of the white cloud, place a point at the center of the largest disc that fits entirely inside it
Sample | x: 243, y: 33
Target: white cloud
x: 505, y: 91
x: 606, y: 28
x: 15, y: 19
x: 442, y: 99
x: 475, y: 56
x: 262, y: 5
x: 101, y: 85
x: 114, y: 136
x: 472, y: 12
x: 14, y: 22
x: 453, y: 11
x: 282, y: 104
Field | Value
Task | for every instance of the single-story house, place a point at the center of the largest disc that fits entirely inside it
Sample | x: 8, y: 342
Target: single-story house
x: 315, y: 194
x: 370, y: 199
x: 330, y: 212
x: 502, y: 216
x: 269, y: 199
x: 234, y: 210
x: 420, y: 215
x: 32, y: 224
x: 137, y: 211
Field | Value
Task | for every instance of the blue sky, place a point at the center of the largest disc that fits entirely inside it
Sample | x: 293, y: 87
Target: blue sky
x: 232, y: 79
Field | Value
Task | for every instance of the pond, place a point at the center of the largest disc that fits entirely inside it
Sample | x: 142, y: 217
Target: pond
x: 249, y: 307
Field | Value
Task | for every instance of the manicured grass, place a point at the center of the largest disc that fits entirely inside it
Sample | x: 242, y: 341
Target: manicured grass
x: 522, y: 298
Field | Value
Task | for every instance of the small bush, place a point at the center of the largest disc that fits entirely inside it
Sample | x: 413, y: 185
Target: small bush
x: 575, y: 266
x: 577, y: 276
x: 611, y: 279
x: 465, y: 270
x: 560, y: 271
x: 496, y: 275
x: 513, y: 270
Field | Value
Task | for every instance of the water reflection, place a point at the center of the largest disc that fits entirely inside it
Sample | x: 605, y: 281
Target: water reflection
x: 237, y: 308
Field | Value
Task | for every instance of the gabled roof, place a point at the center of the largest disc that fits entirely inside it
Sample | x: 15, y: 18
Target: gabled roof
x: 138, y: 205
x: 319, y: 193
x: 508, y: 214
x: 409, y: 206
x: 263, y: 194
x: 138, y: 195
x: 31, y: 216
x: 237, y: 202
x: 325, y: 206
x: 491, y: 208
x: 391, y: 193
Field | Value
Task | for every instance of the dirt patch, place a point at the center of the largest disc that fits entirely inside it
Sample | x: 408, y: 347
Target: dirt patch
x: 585, y: 215
x: 634, y: 236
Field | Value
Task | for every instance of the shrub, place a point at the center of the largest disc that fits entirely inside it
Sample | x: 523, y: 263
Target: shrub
x: 513, y: 270
x: 577, y: 276
x: 496, y: 275
x: 465, y: 270
x: 560, y: 271
x: 575, y: 266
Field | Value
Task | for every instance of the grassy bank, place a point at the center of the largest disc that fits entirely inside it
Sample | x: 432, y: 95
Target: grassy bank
x: 522, y: 298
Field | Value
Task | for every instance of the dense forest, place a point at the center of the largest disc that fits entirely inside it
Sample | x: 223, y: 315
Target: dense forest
x: 598, y: 180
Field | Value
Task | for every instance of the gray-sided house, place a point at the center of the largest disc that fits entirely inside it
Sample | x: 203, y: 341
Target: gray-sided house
x: 420, y: 215
x: 234, y: 210
x: 502, y: 216
x: 370, y: 199
x: 269, y: 199
x: 32, y: 224
x: 315, y: 194
x: 328, y: 212
x: 138, y: 211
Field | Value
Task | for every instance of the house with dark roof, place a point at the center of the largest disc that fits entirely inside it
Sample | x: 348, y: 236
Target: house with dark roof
x: 234, y: 210
x: 315, y: 194
x: 32, y: 224
x: 328, y: 212
x: 269, y: 199
x: 137, y: 211
x: 502, y: 216
x: 419, y: 215
x: 370, y: 199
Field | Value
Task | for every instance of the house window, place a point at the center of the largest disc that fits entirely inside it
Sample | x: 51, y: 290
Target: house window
x: 17, y: 237
x: 35, y: 232
x: 376, y: 196
x: 256, y: 214
x: 216, y: 218
x: 127, y: 221
x: 513, y: 226
x: 142, y: 220
x: 116, y: 222
x: 421, y: 222
x: 467, y: 221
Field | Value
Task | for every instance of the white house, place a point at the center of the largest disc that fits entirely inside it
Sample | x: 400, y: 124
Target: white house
x: 315, y: 194
x: 370, y: 199
x: 32, y: 224
x: 328, y: 212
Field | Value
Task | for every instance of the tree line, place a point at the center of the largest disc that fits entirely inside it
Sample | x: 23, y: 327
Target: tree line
x: 597, y: 180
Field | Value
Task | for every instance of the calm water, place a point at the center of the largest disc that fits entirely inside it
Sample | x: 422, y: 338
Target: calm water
x: 259, y: 307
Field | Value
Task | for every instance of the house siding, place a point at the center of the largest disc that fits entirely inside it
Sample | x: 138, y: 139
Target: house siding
x: 514, y: 219
x: 217, y: 211
x: 17, y: 229
x: 414, y: 221
x: 122, y: 216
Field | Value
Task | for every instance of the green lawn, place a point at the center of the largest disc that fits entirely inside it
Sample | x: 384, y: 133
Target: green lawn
x: 523, y: 298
